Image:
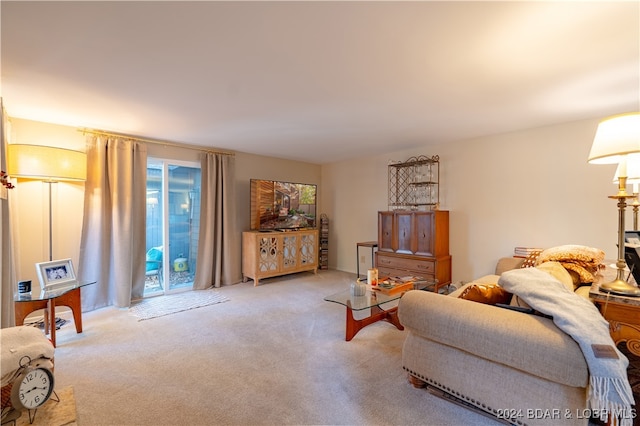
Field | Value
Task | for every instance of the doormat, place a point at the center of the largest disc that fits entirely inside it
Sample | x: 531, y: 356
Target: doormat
x: 167, y: 305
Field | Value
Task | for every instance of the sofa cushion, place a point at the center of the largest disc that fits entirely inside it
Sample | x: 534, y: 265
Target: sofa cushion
x: 529, y: 343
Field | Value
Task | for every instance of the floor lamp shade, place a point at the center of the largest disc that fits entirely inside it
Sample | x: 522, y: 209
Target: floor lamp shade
x: 49, y: 164
x: 46, y: 163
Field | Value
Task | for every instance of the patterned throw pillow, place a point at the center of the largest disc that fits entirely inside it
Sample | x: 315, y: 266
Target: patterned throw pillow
x: 582, y: 262
x: 531, y: 259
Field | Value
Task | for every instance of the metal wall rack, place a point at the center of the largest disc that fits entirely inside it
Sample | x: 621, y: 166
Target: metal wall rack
x: 414, y: 184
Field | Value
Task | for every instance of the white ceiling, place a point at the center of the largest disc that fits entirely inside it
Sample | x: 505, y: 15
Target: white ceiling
x: 318, y: 81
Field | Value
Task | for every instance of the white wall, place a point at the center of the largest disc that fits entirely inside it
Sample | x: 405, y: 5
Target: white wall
x: 29, y: 206
x: 532, y: 188
x: 529, y: 188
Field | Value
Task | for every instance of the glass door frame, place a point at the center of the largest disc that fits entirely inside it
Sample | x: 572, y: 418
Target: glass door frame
x: 167, y: 255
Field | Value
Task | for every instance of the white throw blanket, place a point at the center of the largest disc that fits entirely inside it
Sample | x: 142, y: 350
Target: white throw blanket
x: 609, y: 389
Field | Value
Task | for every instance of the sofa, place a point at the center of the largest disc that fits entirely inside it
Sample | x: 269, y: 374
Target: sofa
x: 509, y: 364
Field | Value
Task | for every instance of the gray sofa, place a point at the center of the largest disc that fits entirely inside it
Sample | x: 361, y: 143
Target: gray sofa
x: 509, y: 364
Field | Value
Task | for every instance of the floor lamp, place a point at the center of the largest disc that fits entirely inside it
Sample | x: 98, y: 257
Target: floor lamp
x: 616, y: 139
x: 48, y: 164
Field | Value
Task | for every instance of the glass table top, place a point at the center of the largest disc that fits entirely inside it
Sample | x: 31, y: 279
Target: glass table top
x: 375, y: 298
x: 50, y: 294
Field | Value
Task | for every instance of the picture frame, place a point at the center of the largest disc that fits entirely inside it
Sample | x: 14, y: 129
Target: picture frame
x: 632, y: 253
x: 56, y: 274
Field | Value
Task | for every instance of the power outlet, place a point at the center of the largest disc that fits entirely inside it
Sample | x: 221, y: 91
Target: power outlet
x: 362, y: 259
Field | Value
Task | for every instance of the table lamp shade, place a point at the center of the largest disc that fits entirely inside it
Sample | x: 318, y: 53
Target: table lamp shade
x: 46, y: 163
x: 616, y: 137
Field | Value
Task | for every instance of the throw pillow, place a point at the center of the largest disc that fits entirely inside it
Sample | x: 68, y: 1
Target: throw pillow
x: 531, y: 259
x: 581, y: 261
x: 558, y: 271
x: 488, y: 294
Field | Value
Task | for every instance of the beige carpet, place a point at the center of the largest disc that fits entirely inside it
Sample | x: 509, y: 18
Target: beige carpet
x: 54, y: 413
x: 274, y: 355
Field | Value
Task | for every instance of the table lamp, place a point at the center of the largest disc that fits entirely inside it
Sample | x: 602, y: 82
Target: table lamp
x: 633, y: 178
x: 48, y: 164
x: 616, y: 139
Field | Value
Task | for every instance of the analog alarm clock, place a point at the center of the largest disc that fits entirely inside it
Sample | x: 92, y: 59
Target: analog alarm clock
x: 32, y: 388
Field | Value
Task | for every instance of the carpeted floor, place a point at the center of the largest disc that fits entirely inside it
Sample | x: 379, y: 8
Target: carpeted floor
x: 633, y: 372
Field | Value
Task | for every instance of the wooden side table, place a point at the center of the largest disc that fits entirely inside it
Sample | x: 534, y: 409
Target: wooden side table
x: 623, y: 315
x: 70, y: 297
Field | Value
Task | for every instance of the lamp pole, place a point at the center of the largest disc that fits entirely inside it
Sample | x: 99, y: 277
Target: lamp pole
x: 50, y: 182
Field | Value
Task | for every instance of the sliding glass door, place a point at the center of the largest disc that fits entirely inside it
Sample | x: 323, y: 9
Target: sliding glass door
x: 173, y: 223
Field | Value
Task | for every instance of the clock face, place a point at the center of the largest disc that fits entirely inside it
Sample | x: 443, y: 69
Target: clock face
x: 35, y: 388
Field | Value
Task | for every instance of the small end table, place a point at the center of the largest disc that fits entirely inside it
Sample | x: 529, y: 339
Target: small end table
x: 623, y: 315
x: 373, y: 245
x: 48, y: 300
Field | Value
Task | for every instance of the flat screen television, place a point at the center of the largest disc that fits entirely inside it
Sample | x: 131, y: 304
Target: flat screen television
x: 282, y: 206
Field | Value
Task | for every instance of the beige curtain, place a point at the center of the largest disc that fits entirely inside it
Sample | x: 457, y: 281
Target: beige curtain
x: 112, y: 248
x: 7, y: 267
x: 218, y: 263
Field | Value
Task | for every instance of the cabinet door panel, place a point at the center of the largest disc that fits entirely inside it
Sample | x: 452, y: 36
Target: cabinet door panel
x: 308, y: 249
x: 289, y: 252
x: 424, y: 234
x: 385, y: 231
x: 404, y: 225
x: 268, y: 254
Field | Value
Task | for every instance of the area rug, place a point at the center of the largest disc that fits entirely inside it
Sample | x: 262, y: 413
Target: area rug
x: 167, y: 305
x: 54, y: 413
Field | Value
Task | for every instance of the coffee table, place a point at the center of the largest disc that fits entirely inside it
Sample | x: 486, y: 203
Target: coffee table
x: 373, y: 300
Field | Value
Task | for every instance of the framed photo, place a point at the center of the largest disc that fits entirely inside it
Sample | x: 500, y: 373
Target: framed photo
x: 632, y: 238
x: 56, y: 274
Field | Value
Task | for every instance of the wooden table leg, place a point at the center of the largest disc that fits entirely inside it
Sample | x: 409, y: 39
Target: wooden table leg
x: 72, y: 300
x: 377, y: 314
x: 52, y: 320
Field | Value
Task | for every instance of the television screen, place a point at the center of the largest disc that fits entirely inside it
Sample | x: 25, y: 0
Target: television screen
x: 279, y: 205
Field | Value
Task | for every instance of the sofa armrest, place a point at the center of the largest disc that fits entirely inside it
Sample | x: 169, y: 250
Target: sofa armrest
x: 508, y: 263
x: 526, y: 342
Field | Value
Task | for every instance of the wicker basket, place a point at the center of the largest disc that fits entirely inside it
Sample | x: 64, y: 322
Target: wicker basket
x: 6, y: 396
